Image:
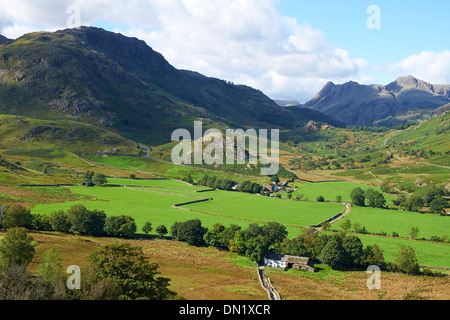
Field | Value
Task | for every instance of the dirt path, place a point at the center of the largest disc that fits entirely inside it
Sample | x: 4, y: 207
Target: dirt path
x: 267, y: 285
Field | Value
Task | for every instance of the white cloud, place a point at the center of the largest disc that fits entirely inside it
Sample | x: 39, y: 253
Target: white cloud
x: 244, y: 41
x: 249, y: 42
x: 433, y: 67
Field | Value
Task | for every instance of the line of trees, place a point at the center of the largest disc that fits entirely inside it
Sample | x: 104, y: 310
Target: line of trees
x: 214, y: 182
x: 339, y: 250
x: 116, y: 272
x: 77, y: 220
x: 253, y: 242
x: 432, y: 198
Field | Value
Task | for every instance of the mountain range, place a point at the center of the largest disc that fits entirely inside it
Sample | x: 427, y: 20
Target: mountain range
x: 361, y: 105
x: 104, y: 78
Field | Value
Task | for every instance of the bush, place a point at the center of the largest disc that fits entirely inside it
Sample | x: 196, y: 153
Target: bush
x: 358, y: 197
x: 16, y: 217
x: 161, y: 231
x: 407, y: 260
x: 99, y: 179
x: 120, y: 226
x: 41, y: 222
x: 16, y: 247
x: 147, y: 228
x: 191, y: 232
x: 86, y: 222
x: 60, y: 221
x: 320, y: 199
x: 129, y: 268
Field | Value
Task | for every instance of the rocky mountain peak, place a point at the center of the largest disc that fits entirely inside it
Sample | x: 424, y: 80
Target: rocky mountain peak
x: 409, y: 82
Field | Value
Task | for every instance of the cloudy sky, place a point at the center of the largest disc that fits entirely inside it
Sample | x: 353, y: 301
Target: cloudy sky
x: 287, y: 48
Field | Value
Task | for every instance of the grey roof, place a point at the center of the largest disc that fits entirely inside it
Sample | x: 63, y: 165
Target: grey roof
x: 287, y: 258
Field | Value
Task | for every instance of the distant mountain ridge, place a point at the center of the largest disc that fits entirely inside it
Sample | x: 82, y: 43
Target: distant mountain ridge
x: 104, y: 78
x: 361, y: 105
x: 4, y: 40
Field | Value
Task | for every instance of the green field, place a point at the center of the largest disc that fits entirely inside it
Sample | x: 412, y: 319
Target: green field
x: 158, y: 183
x: 265, y: 209
x: 153, y: 203
x: 378, y: 220
x: 330, y: 190
x: 141, y: 204
x: 428, y: 253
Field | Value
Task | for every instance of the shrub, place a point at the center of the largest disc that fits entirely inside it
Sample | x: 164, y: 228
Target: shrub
x: 16, y: 248
x: 147, y: 228
x: 407, y: 260
x: 86, y: 222
x: 358, y: 197
x: 191, y: 232
x: 161, y: 231
x: 99, y: 179
x: 129, y: 268
x: 120, y: 226
x: 17, y: 216
x: 60, y: 221
x: 41, y: 222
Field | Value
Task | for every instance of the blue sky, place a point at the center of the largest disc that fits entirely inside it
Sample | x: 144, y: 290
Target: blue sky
x: 407, y: 27
x: 287, y: 48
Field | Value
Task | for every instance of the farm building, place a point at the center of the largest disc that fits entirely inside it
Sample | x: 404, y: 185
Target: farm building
x: 87, y: 183
x: 279, y: 261
x: 273, y: 187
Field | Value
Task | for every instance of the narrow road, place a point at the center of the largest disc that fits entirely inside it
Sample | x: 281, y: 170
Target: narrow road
x: 267, y: 286
x: 148, y: 150
x: 348, y: 210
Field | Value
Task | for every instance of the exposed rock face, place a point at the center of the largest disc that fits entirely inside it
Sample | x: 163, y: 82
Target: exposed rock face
x: 312, y: 127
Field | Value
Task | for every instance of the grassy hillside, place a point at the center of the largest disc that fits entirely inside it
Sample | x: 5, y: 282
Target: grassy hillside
x: 103, y: 78
x: 432, y: 135
x: 26, y: 135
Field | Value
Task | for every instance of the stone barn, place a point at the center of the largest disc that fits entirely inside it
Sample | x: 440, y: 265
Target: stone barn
x: 280, y: 261
x: 87, y: 183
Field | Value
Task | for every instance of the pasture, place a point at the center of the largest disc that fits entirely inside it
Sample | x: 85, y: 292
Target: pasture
x: 382, y: 220
x: 428, y: 253
x: 330, y: 190
x: 153, y: 203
